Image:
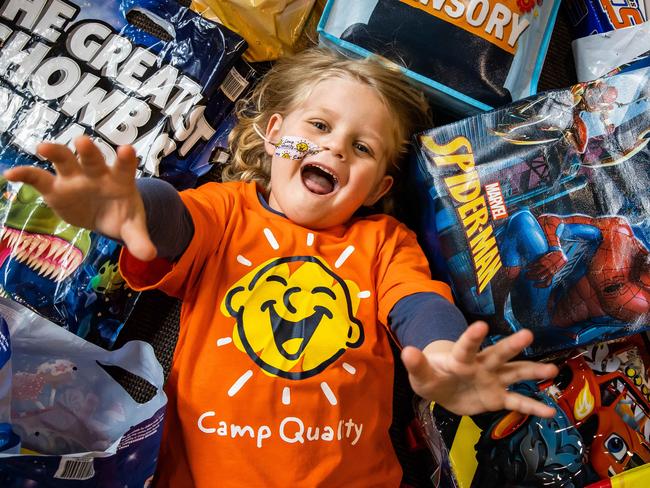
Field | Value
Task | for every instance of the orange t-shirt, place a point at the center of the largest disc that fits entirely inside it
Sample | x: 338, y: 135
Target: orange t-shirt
x: 283, y: 371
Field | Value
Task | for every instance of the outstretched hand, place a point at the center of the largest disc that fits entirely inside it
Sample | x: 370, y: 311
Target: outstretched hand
x: 86, y: 192
x: 467, y: 381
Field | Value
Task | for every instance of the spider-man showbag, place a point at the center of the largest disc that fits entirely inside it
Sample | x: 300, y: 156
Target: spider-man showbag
x: 540, y: 212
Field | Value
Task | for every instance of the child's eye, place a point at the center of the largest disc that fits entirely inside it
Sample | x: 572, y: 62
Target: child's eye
x: 319, y: 125
x: 362, y: 148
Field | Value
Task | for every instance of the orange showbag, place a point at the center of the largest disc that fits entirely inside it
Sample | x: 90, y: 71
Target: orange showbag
x: 271, y: 27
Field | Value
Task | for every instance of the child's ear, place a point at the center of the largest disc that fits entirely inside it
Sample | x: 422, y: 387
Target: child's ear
x: 380, y: 190
x: 272, y: 133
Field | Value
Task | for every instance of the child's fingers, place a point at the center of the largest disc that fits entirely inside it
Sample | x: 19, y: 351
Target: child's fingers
x: 39, y: 178
x: 416, y: 364
x: 526, y: 370
x: 90, y: 157
x: 126, y: 162
x: 64, y: 160
x: 137, y: 240
x: 506, y: 349
x: 527, y: 405
x: 468, y: 344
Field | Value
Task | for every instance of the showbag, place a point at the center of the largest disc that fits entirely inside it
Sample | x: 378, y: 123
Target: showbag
x: 539, y: 212
x: 149, y: 73
x: 601, y: 428
x: 271, y: 29
x: 76, y: 424
x: 469, y: 55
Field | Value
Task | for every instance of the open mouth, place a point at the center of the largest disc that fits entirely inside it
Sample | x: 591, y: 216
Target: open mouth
x: 49, y: 256
x: 318, y: 179
x: 291, y: 338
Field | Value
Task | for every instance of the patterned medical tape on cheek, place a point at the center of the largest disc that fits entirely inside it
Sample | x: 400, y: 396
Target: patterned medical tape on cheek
x: 295, y: 147
x: 291, y: 147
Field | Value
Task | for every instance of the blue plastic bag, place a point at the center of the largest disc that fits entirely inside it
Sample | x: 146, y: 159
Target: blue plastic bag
x: 539, y: 212
x: 69, y: 68
x: 76, y: 423
x: 469, y: 55
x: 74, y: 67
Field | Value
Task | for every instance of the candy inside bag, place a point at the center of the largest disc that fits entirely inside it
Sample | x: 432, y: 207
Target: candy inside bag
x: 77, y: 423
x: 62, y: 399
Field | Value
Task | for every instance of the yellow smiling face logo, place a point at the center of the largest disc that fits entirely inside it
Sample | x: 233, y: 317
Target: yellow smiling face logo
x: 294, y: 316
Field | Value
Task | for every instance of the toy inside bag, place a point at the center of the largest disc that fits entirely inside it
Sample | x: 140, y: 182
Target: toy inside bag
x: 75, y: 422
x: 539, y: 212
x: 470, y: 55
x: 601, y: 427
x: 150, y: 73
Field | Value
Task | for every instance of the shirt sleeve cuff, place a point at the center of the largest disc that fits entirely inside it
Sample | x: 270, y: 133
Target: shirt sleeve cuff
x: 422, y: 318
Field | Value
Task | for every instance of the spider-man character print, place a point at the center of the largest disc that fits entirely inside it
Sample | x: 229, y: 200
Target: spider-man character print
x: 575, y: 268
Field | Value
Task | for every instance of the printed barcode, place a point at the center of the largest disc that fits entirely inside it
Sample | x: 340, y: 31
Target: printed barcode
x: 75, y: 469
x: 233, y: 85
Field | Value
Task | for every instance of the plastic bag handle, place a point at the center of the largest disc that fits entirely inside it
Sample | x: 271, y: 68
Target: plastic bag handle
x: 138, y: 358
x: 162, y: 23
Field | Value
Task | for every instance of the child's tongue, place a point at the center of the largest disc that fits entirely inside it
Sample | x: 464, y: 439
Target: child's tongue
x: 317, y: 181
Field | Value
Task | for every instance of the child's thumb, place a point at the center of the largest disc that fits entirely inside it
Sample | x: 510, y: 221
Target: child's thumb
x: 416, y: 363
x: 137, y: 240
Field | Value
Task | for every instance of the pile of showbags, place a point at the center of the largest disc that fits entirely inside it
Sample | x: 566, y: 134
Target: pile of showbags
x: 539, y: 215
x: 150, y: 73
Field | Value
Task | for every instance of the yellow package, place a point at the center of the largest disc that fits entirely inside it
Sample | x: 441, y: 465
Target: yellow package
x: 271, y: 27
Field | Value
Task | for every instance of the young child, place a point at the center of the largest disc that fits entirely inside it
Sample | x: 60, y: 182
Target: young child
x: 283, y: 371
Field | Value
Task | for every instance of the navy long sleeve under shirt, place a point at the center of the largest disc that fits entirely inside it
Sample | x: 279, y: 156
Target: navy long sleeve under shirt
x: 416, y: 320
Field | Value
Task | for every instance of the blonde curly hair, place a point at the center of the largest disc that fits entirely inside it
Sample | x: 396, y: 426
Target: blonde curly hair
x: 289, y: 82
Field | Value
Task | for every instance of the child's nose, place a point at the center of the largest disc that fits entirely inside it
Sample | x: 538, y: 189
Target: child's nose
x: 336, y: 154
x: 335, y: 145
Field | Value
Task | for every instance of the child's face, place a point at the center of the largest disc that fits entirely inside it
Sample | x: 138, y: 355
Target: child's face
x: 355, y: 131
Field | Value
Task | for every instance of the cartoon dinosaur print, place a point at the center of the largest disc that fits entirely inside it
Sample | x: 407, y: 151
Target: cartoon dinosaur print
x: 35, y: 236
